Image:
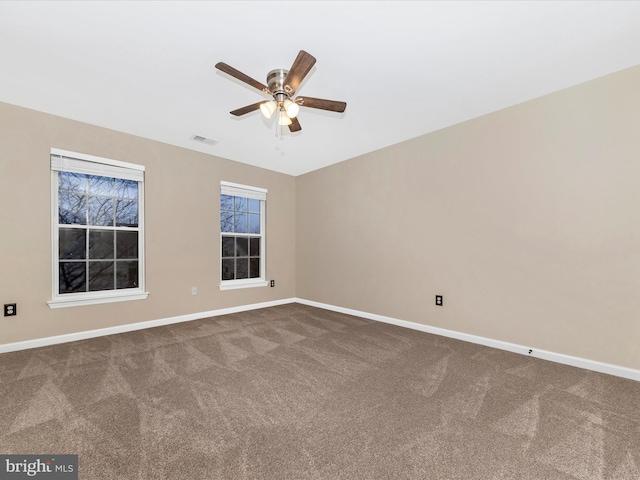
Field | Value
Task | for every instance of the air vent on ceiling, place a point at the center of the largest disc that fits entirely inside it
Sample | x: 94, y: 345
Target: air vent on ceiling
x: 201, y: 139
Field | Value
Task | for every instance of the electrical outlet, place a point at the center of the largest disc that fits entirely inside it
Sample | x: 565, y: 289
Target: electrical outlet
x: 273, y: 283
x: 10, y: 309
x: 439, y: 300
x: 194, y: 290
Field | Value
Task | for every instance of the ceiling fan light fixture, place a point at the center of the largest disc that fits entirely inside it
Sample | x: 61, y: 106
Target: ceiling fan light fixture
x: 292, y: 108
x: 267, y: 108
x: 284, y: 119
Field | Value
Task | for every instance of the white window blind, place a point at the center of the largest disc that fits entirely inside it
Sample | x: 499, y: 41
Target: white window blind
x: 237, y: 190
x: 91, y: 165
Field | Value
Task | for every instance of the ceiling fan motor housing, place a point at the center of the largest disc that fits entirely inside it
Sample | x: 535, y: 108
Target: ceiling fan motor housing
x: 275, y: 82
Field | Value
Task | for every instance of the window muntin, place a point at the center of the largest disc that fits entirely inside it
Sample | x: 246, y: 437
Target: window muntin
x: 242, y: 224
x: 97, y: 230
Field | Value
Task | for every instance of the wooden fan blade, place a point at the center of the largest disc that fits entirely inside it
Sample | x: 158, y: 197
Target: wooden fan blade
x: 241, y: 76
x: 295, y: 125
x: 247, y: 109
x: 322, y: 104
x: 301, y: 66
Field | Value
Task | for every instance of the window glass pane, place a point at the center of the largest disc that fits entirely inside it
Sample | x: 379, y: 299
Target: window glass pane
x: 100, y: 211
x: 101, y: 243
x: 100, y: 185
x: 72, y: 277
x: 101, y: 276
x: 242, y: 246
x: 126, y: 188
x: 254, y: 223
x: 228, y: 246
x: 254, y: 247
x: 127, y: 274
x: 242, y: 268
x: 226, y: 202
x: 126, y: 213
x: 72, y: 182
x: 254, y: 267
x: 226, y: 221
x: 126, y: 245
x: 240, y: 204
x: 254, y: 205
x: 228, y: 269
x: 72, y: 209
x: 72, y: 243
x: 240, y: 220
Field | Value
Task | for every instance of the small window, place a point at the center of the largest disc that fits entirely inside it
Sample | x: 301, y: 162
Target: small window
x: 97, y: 230
x: 242, y: 227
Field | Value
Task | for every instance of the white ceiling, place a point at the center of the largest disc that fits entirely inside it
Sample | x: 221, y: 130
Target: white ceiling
x: 404, y: 68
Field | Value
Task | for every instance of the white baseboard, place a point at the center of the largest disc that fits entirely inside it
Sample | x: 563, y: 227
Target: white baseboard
x: 73, y: 337
x: 593, y: 365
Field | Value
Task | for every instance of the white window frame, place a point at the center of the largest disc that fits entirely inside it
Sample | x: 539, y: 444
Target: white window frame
x: 239, y: 190
x: 63, y: 160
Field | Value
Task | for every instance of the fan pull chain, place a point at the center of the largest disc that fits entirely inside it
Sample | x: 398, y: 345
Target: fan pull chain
x: 278, y: 125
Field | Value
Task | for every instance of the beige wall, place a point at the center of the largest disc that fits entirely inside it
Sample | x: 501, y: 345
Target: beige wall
x: 182, y: 233
x: 527, y: 220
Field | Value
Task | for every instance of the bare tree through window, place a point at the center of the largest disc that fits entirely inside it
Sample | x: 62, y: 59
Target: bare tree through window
x: 97, y: 233
x: 241, y: 228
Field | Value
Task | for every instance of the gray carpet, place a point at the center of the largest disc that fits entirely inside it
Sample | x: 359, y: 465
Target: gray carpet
x: 296, y: 392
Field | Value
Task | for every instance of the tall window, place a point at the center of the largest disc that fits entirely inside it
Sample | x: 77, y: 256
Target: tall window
x: 242, y: 226
x: 97, y: 230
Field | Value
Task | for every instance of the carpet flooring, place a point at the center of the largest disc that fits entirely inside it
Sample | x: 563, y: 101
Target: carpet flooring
x: 297, y: 392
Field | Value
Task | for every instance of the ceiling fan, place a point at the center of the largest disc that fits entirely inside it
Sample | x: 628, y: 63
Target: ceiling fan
x: 282, y: 85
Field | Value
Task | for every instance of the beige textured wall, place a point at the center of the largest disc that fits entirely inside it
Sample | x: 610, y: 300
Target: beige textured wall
x: 527, y: 220
x: 182, y: 233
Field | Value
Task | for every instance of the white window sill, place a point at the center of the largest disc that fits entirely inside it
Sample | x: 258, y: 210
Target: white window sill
x: 80, y: 300
x: 234, y: 284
